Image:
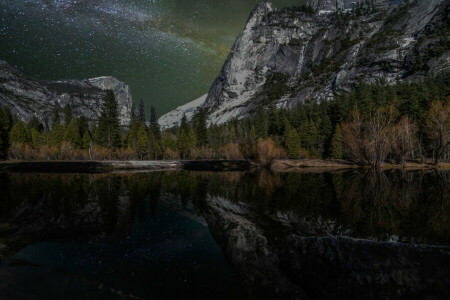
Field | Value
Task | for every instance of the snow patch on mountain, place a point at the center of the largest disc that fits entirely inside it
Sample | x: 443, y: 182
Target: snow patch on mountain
x: 173, y: 118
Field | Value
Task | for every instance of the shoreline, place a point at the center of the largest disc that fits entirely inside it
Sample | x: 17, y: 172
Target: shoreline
x: 278, y: 165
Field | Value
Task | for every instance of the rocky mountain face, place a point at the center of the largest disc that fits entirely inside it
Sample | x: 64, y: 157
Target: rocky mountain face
x: 27, y: 97
x: 287, y: 56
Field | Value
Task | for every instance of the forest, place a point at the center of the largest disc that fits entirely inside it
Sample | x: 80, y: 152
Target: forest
x: 371, y: 124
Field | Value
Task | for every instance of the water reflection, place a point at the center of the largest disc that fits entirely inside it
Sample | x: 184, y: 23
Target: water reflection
x: 146, y: 233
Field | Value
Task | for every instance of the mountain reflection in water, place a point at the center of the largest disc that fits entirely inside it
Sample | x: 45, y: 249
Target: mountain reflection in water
x: 165, y: 234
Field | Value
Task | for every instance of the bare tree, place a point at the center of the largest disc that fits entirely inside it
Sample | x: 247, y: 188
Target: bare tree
x: 370, y: 141
x: 404, y: 142
x: 437, y: 127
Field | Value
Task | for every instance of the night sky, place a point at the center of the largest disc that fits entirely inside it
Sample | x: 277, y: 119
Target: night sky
x: 168, y: 51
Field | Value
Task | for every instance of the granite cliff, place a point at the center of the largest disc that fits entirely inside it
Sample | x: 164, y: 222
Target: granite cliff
x: 27, y: 97
x: 284, y: 57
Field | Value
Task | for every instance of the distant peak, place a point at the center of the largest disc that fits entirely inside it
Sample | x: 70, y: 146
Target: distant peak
x: 262, y: 9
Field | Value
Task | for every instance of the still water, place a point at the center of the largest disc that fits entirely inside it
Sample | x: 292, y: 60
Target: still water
x: 226, y: 235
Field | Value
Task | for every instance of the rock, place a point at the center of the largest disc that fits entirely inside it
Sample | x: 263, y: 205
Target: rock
x: 369, y: 269
x: 27, y: 97
x: 316, y: 55
x: 6, y: 229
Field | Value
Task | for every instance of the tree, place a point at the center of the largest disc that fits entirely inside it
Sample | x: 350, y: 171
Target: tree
x: 200, y: 127
x: 292, y: 141
x: 108, y: 123
x: 336, y: 143
x: 404, y: 139
x: 437, y: 127
x: 72, y: 134
x: 87, y: 140
x: 183, y: 144
x: 133, y: 136
x: 141, y: 112
x: 133, y: 116
x: 370, y: 141
x: 55, y: 114
x: 67, y: 114
x: 5, y: 127
x: 154, y: 126
x: 19, y: 133
x: 35, y: 123
x: 57, y: 135
x: 38, y: 138
x: 142, y: 142
x: 154, y: 148
x: 83, y: 125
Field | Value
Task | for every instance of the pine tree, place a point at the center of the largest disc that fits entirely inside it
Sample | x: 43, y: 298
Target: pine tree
x: 336, y: 143
x: 72, y: 134
x: 19, y: 133
x: 142, y: 142
x: 87, y: 140
x: 57, y: 135
x: 141, y: 112
x: 55, y: 114
x: 200, y: 127
x: 38, y: 138
x: 252, y: 133
x: 292, y: 141
x: 183, y: 144
x: 133, y: 136
x: 133, y: 116
x: 67, y: 114
x: 108, y: 123
x: 169, y: 141
x: 35, y: 123
x: 192, y: 138
x: 184, y: 124
x: 154, y: 126
x: 5, y: 127
x: 83, y: 125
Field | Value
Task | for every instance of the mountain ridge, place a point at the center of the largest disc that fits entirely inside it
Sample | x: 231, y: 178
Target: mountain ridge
x: 27, y: 97
x: 285, y: 57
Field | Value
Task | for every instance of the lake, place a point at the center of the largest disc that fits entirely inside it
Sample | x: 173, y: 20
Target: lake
x: 225, y: 235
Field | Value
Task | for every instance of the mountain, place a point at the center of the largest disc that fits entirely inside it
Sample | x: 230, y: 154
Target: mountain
x: 27, y: 97
x: 284, y: 57
x: 173, y: 118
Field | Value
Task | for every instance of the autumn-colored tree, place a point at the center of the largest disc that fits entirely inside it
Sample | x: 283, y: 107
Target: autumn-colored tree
x: 437, y: 127
x: 369, y: 141
x: 266, y: 151
x: 404, y: 139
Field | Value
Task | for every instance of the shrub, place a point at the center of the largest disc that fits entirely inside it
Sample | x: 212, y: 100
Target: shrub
x: 99, y: 153
x: 231, y: 151
x: 124, y: 154
x: 203, y: 153
x: 21, y: 151
x: 171, y: 154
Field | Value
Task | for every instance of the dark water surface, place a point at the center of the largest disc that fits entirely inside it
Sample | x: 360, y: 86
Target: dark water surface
x: 227, y: 235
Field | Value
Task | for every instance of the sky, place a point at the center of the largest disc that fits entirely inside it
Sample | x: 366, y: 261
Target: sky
x: 168, y: 51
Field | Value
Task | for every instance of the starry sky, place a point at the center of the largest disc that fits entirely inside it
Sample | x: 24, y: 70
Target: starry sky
x: 168, y: 51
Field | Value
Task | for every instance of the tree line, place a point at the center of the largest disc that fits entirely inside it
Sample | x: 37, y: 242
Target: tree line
x: 368, y: 124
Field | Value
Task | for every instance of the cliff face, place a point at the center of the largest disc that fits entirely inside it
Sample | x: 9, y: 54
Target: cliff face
x: 27, y: 97
x: 287, y: 56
